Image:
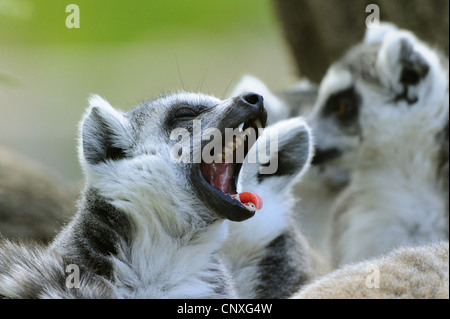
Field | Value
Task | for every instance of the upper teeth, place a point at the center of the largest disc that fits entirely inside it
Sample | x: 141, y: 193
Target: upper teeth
x: 229, y: 148
x: 258, y: 123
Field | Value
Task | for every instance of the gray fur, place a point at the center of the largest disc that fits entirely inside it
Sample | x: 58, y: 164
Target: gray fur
x: 394, y: 196
x: 285, y: 266
x: 267, y: 254
x: 141, y: 230
x: 322, y: 182
x: 25, y: 268
x: 360, y: 61
x: 299, y: 98
x: 443, y: 166
x: 95, y: 234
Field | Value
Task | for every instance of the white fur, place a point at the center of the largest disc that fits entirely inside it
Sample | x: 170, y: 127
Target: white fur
x: 159, y: 264
x: 316, y: 193
x: 164, y: 268
x: 247, y: 243
x: 174, y: 250
x: 393, y: 197
x: 276, y: 192
x: 374, y: 35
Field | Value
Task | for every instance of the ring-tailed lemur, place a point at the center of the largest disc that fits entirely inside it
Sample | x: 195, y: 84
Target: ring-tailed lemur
x: 148, y: 225
x: 408, y: 272
x: 382, y: 113
x: 267, y: 254
x: 321, y: 183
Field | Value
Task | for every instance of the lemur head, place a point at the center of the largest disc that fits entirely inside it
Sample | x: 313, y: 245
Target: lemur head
x: 137, y: 159
x: 389, y: 91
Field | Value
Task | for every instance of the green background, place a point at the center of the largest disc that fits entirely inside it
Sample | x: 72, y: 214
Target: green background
x: 126, y: 51
x: 121, y: 21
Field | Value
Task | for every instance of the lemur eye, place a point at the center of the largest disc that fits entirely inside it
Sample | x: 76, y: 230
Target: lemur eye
x: 343, y: 105
x: 342, y: 109
x: 185, y: 113
x: 345, y: 110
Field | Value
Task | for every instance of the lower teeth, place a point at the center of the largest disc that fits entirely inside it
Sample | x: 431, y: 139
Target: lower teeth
x: 249, y: 206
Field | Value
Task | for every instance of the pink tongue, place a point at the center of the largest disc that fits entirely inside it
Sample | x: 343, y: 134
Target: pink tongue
x: 220, y: 176
x: 248, y: 197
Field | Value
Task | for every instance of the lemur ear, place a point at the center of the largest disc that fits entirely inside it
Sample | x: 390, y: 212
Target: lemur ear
x: 104, y: 133
x: 401, y: 64
x: 274, y: 106
x: 377, y: 34
x: 294, y: 152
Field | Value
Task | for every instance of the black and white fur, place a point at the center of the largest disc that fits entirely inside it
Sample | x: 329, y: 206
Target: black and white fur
x: 322, y: 182
x: 382, y: 113
x: 268, y: 255
x: 146, y: 227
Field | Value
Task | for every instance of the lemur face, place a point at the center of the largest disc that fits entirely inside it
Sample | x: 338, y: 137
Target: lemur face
x: 172, y: 152
x: 388, y: 88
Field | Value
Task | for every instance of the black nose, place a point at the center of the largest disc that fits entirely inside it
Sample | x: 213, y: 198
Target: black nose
x: 253, y: 100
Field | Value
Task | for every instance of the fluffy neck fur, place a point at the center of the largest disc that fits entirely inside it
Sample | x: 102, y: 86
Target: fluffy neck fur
x: 141, y: 258
x: 395, y: 198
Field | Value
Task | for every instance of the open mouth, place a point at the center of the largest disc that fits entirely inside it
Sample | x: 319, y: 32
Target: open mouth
x: 222, y: 174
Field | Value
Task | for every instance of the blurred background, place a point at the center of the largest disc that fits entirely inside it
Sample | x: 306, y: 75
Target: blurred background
x: 128, y: 51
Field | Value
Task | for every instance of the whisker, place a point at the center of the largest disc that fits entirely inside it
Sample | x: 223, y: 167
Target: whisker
x: 199, y: 88
x: 228, y: 86
x: 179, y: 72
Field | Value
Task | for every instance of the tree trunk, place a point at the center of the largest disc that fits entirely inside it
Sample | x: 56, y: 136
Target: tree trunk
x: 320, y: 31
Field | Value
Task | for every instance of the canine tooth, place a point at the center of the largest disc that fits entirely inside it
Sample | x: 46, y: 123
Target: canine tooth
x: 258, y: 123
x: 241, y: 127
